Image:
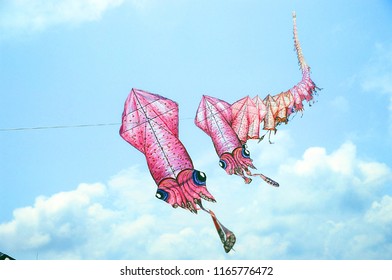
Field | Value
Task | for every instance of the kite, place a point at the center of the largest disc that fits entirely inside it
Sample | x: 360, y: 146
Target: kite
x: 231, y: 125
x: 150, y: 124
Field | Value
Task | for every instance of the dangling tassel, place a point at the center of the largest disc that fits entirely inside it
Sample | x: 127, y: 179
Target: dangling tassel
x: 226, y: 236
x: 262, y: 176
x: 268, y: 180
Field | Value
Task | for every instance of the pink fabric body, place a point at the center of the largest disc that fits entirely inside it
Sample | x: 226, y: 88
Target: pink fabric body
x: 150, y: 124
x: 214, y: 118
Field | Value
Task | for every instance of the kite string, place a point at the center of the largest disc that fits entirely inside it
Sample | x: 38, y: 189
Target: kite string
x: 85, y: 125
x: 78, y: 125
x: 57, y: 126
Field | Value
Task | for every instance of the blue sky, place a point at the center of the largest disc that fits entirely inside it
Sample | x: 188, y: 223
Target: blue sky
x: 84, y: 193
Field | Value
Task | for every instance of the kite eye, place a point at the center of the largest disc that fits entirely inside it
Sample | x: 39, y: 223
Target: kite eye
x: 245, y: 152
x: 162, y: 195
x: 222, y: 164
x: 199, y: 177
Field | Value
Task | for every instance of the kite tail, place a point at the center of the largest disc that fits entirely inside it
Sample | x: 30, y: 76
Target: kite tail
x: 301, y: 58
x: 226, y: 236
x: 306, y: 88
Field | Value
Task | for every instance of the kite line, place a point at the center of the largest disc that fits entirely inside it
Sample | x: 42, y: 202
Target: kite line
x: 58, y: 126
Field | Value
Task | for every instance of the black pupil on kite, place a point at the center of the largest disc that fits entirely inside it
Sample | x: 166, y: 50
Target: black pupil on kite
x: 162, y: 195
x: 222, y: 164
x: 199, y: 177
x: 245, y: 152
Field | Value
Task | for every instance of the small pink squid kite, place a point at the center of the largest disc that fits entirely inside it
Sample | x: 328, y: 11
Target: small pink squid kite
x: 230, y: 126
x: 150, y: 124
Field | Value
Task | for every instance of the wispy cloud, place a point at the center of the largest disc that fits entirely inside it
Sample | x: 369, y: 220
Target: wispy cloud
x: 330, y: 205
x: 377, y: 76
x: 26, y: 15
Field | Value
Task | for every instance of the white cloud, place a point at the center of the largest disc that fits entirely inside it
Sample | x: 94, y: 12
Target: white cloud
x: 40, y: 14
x: 50, y: 218
x: 374, y: 173
x: 366, y: 236
x: 120, y: 219
x: 381, y: 212
x: 315, y: 159
x: 330, y: 205
x: 343, y: 164
x: 321, y: 209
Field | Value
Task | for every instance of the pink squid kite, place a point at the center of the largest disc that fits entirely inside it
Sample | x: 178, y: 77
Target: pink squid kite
x: 230, y: 126
x: 150, y: 124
